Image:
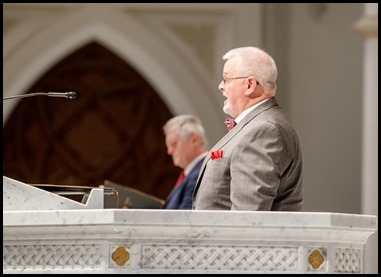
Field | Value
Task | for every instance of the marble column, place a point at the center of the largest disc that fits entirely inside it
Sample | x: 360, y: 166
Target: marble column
x: 367, y: 26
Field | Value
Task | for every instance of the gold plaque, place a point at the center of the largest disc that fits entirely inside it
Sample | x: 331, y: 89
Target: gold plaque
x: 315, y: 259
x: 120, y: 256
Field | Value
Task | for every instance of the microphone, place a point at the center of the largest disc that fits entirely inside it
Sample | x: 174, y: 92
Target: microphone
x: 68, y: 94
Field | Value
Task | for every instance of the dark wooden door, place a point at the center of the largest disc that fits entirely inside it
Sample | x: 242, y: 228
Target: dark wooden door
x: 112, y: 130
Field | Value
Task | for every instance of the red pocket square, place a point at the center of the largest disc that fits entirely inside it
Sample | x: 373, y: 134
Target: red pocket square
x: 216, y: 154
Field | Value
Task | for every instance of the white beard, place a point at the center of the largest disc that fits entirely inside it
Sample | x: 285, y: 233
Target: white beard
x: 227, y: 108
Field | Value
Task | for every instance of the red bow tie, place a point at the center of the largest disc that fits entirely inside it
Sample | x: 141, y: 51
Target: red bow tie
x: 230, y: 123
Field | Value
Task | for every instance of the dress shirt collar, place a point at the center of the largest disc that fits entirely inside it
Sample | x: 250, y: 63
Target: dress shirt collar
x: 248, y: 110
x: 193, y: 163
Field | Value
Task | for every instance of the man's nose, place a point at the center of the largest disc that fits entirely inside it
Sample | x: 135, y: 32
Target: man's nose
x: 221, y: 86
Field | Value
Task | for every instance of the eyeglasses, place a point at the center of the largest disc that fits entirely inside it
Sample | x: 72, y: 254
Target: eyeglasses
x: 225, y: 80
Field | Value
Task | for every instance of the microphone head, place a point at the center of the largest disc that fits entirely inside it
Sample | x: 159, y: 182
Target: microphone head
x: 71, y: 94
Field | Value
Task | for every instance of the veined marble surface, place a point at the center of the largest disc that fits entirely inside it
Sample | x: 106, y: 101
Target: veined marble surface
x: 18, y: 196
x: 175, y: 241
x: 189, y: 217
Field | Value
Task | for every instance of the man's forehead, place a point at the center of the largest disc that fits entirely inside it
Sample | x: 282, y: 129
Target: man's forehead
x: 229, y: 65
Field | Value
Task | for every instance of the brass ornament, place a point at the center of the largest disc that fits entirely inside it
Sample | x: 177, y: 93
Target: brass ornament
x: 316, y: 259
x: 120, y: 256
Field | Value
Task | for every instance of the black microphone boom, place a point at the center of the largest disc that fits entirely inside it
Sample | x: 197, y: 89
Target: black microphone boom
x: 68, y: 94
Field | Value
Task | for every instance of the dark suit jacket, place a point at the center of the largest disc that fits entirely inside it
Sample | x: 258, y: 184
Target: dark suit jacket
x: 260, y: 168
x: 181, y: 196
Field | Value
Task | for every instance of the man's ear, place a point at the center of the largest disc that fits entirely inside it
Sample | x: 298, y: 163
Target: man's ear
x: 193, y: 138
x: 253, y: 88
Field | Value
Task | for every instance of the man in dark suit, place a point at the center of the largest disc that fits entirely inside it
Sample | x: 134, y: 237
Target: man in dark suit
x: 186, y: 142
x: 257, y: 165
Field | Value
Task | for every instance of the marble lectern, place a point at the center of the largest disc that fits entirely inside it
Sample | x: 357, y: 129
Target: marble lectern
x: 126, y: 241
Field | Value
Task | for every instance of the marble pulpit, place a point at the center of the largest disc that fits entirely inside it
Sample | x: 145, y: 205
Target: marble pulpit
x: 121, y: 241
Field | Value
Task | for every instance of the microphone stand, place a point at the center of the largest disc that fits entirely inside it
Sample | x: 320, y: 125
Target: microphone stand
x: 69, y: 95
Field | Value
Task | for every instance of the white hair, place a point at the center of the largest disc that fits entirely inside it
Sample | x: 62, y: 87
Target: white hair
x: 255, y: 61
x: 185, y: 125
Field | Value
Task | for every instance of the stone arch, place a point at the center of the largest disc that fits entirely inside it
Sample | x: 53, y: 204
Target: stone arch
x: 165, y: 65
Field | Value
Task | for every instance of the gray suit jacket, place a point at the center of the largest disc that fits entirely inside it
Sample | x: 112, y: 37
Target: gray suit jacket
x: 260, y: 168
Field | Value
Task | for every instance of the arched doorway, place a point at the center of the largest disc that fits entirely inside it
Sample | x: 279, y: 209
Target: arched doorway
x: 112, y: 130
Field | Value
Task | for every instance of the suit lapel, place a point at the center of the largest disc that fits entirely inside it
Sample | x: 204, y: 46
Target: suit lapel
x: 272, y: 102
x: 249, y: 117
